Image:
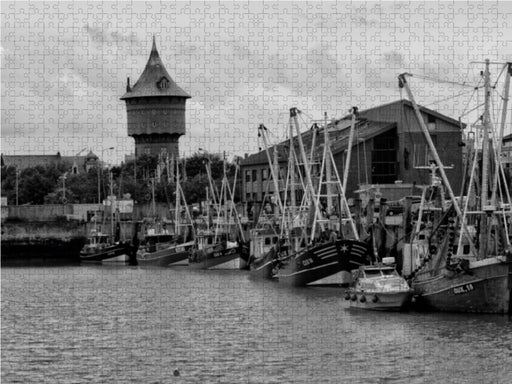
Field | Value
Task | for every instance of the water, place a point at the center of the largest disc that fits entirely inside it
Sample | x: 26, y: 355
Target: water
x: 99, y: 324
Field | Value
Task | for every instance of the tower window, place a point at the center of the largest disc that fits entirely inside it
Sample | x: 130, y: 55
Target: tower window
x: 163, y: 83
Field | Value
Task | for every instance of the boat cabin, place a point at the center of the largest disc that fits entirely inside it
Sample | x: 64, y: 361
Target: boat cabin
x: 262, y: 242
x: 369, y: 272
x: 98, y: 239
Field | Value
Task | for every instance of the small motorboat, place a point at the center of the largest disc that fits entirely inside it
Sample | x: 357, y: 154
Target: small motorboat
x: 379, y: 287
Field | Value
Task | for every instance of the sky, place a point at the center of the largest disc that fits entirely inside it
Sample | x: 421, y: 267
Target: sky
x: 64, y: 66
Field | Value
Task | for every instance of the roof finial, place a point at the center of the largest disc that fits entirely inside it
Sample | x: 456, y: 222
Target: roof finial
x: 154, y: 43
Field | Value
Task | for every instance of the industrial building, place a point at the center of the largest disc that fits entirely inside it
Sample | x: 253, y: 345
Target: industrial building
x: 388, y: 148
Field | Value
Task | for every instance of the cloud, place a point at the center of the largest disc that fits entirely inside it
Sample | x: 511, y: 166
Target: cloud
x: 103, y: 35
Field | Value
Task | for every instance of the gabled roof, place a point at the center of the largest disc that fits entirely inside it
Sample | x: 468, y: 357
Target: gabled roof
x: 338, y: 137
x: 149, y: 82
x: 422, y: 109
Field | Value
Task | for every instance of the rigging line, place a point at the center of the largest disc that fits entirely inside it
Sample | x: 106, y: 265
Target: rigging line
x: 449, y: 98
x: 476, y: 88
x: 310, y: 117
x: 442, y: 81
x: 499, y: 75
x: 471, y: 110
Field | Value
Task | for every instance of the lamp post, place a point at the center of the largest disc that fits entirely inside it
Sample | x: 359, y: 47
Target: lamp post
x: 17, y: 183
x: 76, y: 155
x: 101, y: 173
x: 64, y: 201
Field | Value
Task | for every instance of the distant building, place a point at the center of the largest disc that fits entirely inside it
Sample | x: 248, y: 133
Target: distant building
x: 387, y: 146
x: 155, y: 106
x: 76, y: 164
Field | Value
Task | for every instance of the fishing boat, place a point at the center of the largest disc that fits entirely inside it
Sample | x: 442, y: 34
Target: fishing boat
x: 166, y: 256
x: 103, y: 248
x: 379, y: 287
x: 463, y: 258
x: 100, y: 249
x: 319, y: 256
x: 267, y: 252
x: 170, y: 249
x: 222, y: 244
x: 215, y: 251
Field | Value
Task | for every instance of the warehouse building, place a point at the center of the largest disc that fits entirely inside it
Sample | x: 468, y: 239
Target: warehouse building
x: 388, y: 148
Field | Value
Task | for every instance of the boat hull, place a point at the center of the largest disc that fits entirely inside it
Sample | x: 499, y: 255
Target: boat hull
x: 485, y: 289
x: 323, y: 260
x: 119, y: 253
x: 378, y: 301
x: 264, y: 267
x: 165, y: 257
x: 215, y: 258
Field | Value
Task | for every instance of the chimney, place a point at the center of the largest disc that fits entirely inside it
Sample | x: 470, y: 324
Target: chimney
x: 128, y: 88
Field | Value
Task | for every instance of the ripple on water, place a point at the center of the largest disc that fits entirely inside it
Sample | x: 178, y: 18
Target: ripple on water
x: 125, y: 324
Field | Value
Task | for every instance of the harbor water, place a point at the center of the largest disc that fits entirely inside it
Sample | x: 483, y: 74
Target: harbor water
x: 105, y: 324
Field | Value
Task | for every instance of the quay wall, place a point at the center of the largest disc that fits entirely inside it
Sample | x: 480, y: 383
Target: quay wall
x: 52, y: 212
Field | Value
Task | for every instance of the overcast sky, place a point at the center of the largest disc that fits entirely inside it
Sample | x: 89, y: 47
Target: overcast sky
x: 64, y: 65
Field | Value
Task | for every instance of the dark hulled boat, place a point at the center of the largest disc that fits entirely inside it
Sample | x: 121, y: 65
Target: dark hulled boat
x: 217, y: 252
x: 164, y: 256
x: 319, y: 261
x: 99, y: 249
x: 466, y: 263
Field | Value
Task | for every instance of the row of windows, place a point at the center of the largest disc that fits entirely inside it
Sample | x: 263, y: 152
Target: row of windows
x: 265, y: 174
x: 147, y: 150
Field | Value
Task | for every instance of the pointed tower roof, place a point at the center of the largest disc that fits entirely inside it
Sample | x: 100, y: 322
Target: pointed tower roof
x: 155, y: 80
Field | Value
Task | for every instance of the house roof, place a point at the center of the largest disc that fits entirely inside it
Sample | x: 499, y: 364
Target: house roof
x: 149, y: 82
x: 339, y: 132
x: 507, y: 138
x: 338, y: 136
x: 422, y: 109
x: 29, y: 161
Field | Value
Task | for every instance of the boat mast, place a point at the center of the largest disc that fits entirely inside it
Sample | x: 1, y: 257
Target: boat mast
x: 484, y: 193
x: 177, y: 204
x: 309, y: 182
x: 349, y: 148
x: 233, y: 206
x: 111, y: 207
x: 328, y: 169
x: 291, y: 171
x: 506, y: 89
x: 402, y: 82
x: 272, y: 164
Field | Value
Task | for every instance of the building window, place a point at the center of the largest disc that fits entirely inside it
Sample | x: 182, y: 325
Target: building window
x: 431, y: 123
x: 247, y: 176
x: 254, y: 175
x: 147, y: 151
x: 163, y: 83
x: 264, y: 174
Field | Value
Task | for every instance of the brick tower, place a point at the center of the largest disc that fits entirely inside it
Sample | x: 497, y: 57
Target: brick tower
x: 156, y: 109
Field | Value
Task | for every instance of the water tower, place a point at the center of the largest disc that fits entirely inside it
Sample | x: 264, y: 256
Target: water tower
x: 156, y: 109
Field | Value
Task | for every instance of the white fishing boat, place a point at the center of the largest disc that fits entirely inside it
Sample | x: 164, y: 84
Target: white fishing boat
x: 379, y: 287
